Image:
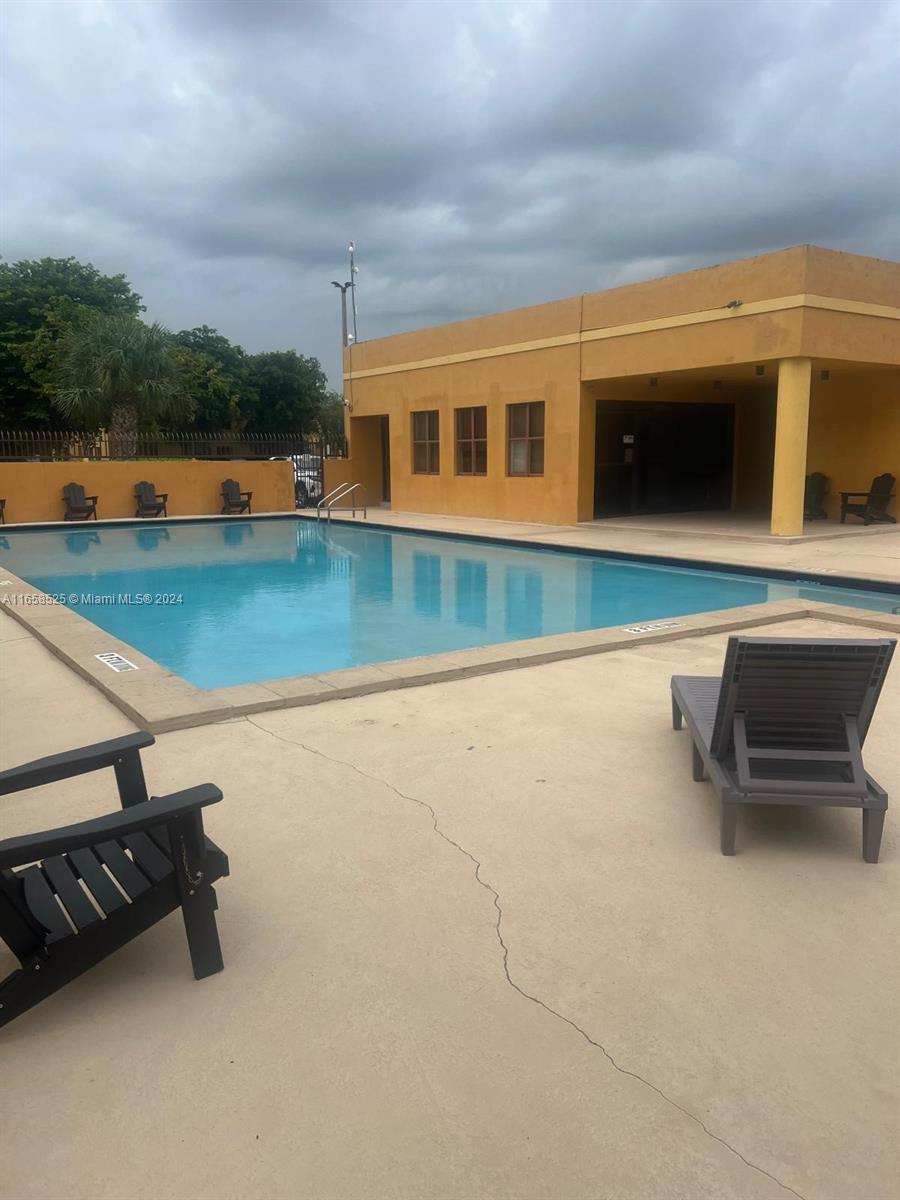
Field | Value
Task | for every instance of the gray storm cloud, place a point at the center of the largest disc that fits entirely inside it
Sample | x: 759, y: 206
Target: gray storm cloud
x: 482, y: 155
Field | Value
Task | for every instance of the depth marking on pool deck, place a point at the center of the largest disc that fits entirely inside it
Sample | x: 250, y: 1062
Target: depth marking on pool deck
x: 655, y: 625
x: 116, y: 661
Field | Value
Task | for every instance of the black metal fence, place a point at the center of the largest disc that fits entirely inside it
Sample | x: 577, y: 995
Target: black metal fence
x: 44, y: 445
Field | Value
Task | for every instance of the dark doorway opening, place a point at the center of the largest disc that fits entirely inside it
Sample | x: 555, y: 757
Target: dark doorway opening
x: 659, y: 457
x: 385, y: 460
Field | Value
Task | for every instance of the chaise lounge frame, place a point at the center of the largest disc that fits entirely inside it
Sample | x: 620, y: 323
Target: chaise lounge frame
x: 785, y: 724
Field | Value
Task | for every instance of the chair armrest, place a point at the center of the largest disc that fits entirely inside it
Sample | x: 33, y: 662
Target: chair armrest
x: 158, y: 810
x: 164, y: 496
x: 247, y: 495
x: 847, y: 495
x: 71, y: 763
x: 92, y: 499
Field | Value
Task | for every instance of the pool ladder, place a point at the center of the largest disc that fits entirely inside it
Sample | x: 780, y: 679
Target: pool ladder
x: 343, y: 492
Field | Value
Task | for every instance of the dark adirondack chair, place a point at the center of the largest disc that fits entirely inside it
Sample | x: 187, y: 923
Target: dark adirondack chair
x: 785, y: 724
x: 2, y: 512
x: 79, y: 507
x: 233, y: 499
x: 873, y: 509
x: 814, y: 497
x: 150, y: 503
x: 71, y: 896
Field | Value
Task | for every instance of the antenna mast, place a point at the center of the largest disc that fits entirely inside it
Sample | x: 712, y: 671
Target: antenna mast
x: 353, y: 272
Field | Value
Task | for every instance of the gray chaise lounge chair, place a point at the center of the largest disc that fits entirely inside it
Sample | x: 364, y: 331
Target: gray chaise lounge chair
x: 785, y: 724
x: 150, y: 503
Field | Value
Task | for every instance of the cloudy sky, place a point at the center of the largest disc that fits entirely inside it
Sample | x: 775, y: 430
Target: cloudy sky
x: 483, y: 155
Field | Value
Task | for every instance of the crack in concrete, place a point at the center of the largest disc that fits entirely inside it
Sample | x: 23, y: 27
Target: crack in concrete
x: 495, y: 895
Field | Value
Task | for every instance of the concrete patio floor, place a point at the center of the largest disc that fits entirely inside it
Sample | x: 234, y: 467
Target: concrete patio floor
x: 479, y: 942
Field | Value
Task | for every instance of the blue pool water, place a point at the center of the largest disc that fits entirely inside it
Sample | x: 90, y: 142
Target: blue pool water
x: 241, y: 601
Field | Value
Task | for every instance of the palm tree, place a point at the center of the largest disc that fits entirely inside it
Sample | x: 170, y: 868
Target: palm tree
x: 117, y: 371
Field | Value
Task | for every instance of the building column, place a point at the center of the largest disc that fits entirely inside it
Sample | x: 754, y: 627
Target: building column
x: 791, y: 428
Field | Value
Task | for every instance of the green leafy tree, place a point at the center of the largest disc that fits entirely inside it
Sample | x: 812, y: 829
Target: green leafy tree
x: 40, y: 301
x: 118, y: 372
x: 291, y: 389
x: 330, y: 419
x: 216, y: 378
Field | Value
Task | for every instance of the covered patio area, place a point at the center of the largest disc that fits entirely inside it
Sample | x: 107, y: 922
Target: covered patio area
x: 725, y: 450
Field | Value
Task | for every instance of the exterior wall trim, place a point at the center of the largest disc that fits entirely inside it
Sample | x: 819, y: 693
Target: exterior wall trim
x: 702, y: 317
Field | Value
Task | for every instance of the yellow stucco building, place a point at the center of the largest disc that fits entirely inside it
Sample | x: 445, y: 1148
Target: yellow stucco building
x: 714, y: 390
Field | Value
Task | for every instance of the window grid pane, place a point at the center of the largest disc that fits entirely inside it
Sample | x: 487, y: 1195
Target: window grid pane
x: 525, y: 434
x: 518, y: 457
x: 471, y: 445
x: 426, y: 443
x: 518, y: 420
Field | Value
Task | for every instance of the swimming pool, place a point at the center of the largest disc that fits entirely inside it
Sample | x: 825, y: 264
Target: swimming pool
x: 237, y: 601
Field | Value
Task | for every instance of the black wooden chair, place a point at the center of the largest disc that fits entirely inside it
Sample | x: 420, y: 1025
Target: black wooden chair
x: 79, y: 507
x: 2, y: 512
x: 785, y: 723
x: 873, y: 510
x: 150, y: 503
x: 814, y: 497
x: 71, y: 896
x: 233, y: 499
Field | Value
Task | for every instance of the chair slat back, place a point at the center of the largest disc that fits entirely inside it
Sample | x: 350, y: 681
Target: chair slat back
x: 231, y: 491
x: 74, y: 493
x: 145, y: 492
x: 795, y: 693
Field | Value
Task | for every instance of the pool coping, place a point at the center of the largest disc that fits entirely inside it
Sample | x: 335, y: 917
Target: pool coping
x: 158, y: 700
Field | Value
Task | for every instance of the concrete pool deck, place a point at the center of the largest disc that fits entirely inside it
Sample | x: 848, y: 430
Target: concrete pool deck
x: 479, y: 942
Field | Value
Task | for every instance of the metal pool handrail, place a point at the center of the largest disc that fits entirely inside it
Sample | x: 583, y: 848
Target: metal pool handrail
x: 342, y: 491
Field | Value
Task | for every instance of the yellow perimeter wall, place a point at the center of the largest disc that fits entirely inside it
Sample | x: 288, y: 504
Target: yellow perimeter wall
x: 33, y: 490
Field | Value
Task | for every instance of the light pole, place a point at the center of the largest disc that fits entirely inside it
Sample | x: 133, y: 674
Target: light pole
x: 343, y: 290
x: 352, y: 248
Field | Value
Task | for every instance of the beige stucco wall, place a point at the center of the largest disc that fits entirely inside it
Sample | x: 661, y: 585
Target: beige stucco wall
x: 548, y: 375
